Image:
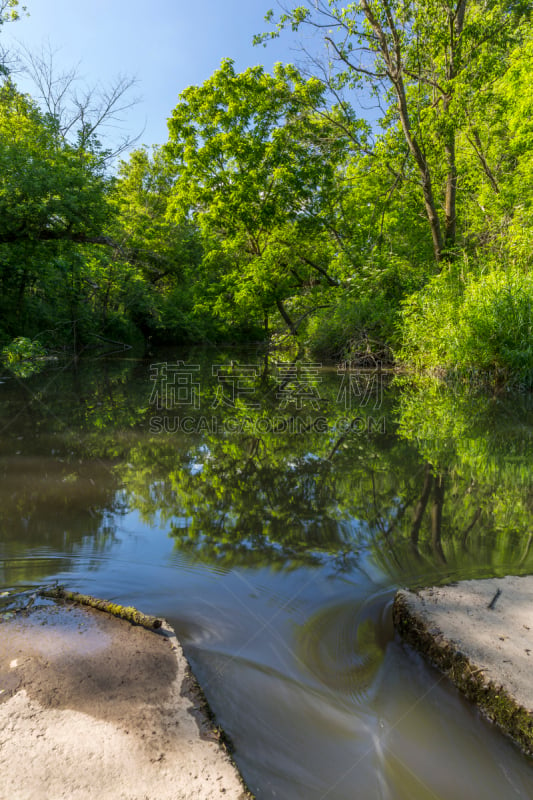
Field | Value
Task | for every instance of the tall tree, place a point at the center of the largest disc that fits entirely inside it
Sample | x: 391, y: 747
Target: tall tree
x: 428, y: 60
x: 87, y: 115
x: 48, y: 189
x: 256, y: 167
x: 53, y: 199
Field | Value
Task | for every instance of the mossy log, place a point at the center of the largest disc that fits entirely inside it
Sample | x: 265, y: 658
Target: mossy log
x: 124, y: 612
x: 492, y: 699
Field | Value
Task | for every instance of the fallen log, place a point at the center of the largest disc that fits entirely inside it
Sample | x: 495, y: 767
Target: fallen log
x: 123, y: 612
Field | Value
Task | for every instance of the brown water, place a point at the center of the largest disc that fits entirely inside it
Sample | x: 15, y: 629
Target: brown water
x: 273, y: 539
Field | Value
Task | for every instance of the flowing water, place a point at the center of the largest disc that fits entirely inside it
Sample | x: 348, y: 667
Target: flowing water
x: 270, y: 511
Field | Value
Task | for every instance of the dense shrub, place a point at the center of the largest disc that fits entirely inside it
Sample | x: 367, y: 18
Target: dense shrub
x: 364, y: 316
x: 482, y: 322
x: 354, y: 323
x: 23, y: 356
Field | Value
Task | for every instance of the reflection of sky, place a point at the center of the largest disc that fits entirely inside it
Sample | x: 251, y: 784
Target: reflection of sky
x: 142, y: 561
x: 279, y: 648
x: 276, y: 653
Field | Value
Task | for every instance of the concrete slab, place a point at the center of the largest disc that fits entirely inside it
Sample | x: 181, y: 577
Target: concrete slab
x: 480, y: 634
x: 93, y: 706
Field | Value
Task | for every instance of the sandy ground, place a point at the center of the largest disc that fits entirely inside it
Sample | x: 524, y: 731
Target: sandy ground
x: 94, y: 707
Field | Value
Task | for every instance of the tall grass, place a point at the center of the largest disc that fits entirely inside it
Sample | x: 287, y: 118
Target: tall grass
x: 481, y: 322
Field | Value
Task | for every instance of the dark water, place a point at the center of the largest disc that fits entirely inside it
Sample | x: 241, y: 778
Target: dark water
x: 270, y: 516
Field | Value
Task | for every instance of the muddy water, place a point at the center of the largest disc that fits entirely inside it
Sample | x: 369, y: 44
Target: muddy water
x: 270, y: 517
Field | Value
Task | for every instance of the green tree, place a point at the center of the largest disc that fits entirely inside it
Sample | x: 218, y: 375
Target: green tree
x: 256, y: 166
x: 429, y: 61
x: 52, y: 199
x: 165, y: 253
x: 49, y: 190
x: 9, y: 10
x: 514, y: 158
x: 69, y: 263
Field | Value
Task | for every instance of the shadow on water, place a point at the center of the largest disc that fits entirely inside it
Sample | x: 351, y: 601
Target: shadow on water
x: 272, y: 529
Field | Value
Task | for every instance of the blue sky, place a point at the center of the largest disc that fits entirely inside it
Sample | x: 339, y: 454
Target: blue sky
x: 168, y: 45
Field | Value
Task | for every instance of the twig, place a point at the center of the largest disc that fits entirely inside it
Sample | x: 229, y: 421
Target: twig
x: 493, y: 601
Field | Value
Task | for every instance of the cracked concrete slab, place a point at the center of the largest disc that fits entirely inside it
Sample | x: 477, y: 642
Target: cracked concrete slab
x: 480, y: 634
x: 93, y: 706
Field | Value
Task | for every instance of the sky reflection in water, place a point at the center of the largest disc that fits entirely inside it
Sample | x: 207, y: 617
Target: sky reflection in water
x: 276, y: 555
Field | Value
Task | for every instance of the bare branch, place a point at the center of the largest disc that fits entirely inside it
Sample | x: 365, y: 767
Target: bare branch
x: 82, y: 113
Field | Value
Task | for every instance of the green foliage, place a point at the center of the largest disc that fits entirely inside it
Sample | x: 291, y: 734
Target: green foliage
x: 256, y: 167
x: 52, y: 201
x: 432, y: 62
x: 274, y: 212
x: 23, y: 357
x: 361, y: 321
x: 10, y: 10
x: 47, y: 188
x: 355, y: 323
x: 496, y: 325
x: 477, y: 322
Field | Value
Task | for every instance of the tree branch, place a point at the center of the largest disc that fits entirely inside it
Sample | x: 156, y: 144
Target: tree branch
x: 362, y: 70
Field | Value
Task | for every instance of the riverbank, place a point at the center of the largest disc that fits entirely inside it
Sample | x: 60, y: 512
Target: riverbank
x: 93, y: 706
x: 480, y: 634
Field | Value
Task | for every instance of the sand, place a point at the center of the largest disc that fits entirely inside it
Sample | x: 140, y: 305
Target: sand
x: 94, y: 707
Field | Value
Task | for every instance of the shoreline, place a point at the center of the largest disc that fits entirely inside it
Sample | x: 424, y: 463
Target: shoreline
x: 479, y: 633
x: 92, y: 705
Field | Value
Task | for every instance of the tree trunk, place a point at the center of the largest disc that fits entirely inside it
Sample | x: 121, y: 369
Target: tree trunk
x: 288, y: 321
x: 436, y: 519
x: 455, y: 25
x: 392, y: 58
x: 451, y: 192
x: 421, y: 506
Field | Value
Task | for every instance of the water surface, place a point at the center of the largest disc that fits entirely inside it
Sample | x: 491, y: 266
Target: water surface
x: 270, y: 515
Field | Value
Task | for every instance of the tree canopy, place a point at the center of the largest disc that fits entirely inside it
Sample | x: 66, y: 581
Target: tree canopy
x: 274, y: 212
x: 258, y: 166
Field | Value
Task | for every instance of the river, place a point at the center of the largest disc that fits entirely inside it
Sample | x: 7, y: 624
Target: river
x: 270, y: 510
